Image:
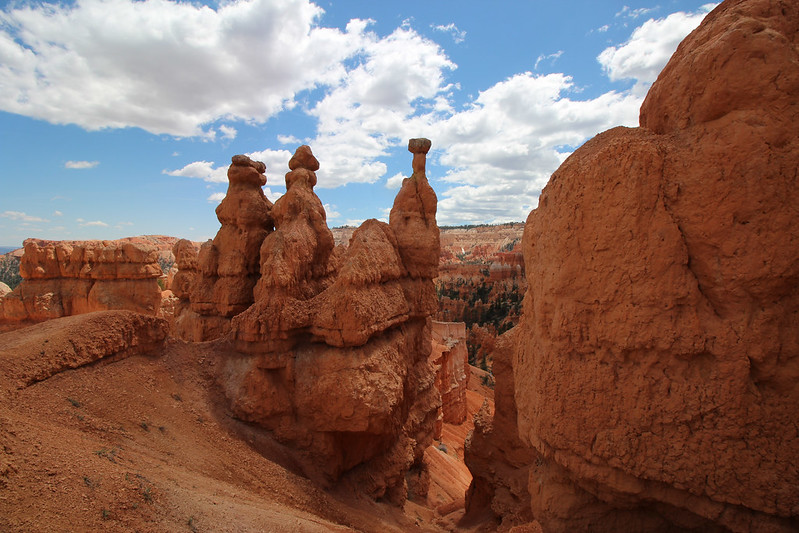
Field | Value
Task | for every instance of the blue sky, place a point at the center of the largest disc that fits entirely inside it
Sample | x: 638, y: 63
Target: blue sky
x: 119, y: 118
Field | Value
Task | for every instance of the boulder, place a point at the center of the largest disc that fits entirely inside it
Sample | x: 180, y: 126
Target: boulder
x: 657, y: 360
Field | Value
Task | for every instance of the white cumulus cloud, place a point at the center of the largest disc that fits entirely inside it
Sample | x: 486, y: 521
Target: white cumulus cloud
x: 164, y: 66
x: 205, y: 170
x: 649, y: 48
x: 395, y: 181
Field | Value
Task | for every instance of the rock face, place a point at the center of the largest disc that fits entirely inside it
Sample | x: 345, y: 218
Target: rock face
x: 330, y: 352
x: 499, y: 461
x: 62, y: 278
x: 450, y: 359
x: 657, y: 360
x: 229, y: 265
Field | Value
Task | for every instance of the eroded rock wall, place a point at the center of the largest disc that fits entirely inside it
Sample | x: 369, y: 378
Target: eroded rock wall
x: 657, y: 360
x: 62, y: 278
x: 451, y: 361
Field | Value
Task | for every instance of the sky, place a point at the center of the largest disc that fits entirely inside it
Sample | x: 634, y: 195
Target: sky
x: 119, y: 117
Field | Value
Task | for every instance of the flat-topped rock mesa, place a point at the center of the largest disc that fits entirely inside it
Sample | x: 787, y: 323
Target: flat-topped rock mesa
x: 331, y: 354
x: 62, y: 278
x: 657, y: 359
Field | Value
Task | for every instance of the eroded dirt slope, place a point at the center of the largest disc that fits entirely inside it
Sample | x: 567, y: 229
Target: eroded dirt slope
x: 140, y: 444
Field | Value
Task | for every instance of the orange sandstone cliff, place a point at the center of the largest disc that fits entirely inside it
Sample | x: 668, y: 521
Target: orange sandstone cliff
x: 655, y: 370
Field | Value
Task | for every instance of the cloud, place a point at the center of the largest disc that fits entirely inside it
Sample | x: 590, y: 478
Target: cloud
x: 288, y: 139
x: 228, y: 132
x: 271, y: 195
x: 331, y: 211
x: 81, y: 164
x: 57, y: 213
x: 457, y: 35
x: 166, y: 67
x: 395, y: 181
x: 627, y: 12
x: 649, y: 48
x: 603, y: 29
x: 276, y: 161
x: 216, y: 197
x: 22, y: 217
x: 204, y: 170
x: 94, y: 223
x: 553, y: 57
x: 390, y: 96
x: 503, y: 149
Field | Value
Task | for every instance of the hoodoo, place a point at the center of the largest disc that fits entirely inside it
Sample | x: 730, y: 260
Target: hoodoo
x: 330, y: 352
x: 228, y: 264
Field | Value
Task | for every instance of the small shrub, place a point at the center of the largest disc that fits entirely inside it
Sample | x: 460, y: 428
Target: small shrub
x: 111, y: 454
x: 75, y: 403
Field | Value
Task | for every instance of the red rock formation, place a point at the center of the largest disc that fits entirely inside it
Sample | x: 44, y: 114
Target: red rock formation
x: 499, y: 461
x: 333, y: 354
x: 62, y: 278
x: 186, y: 324
x: 450, y: 359
x: 229, y: 265
x: 657, y: 361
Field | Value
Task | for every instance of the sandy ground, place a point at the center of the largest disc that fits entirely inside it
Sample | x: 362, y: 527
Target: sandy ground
x: 140, y: 444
